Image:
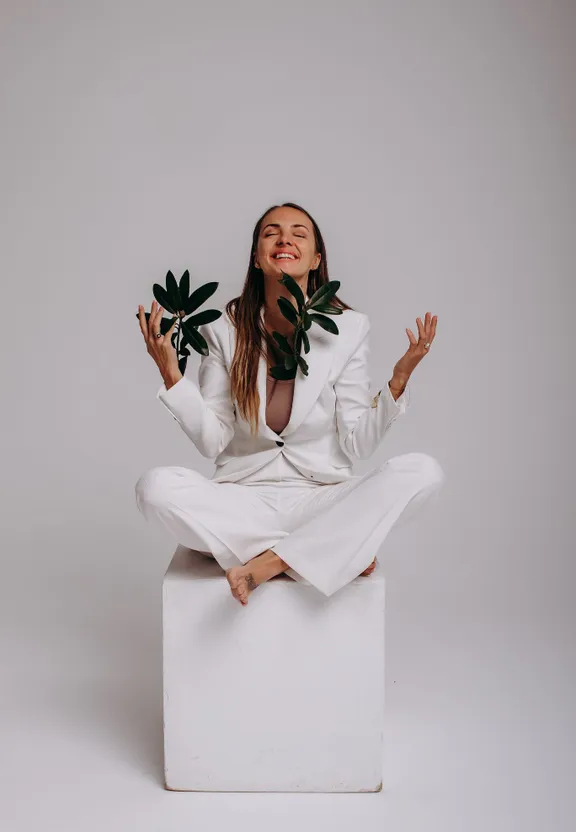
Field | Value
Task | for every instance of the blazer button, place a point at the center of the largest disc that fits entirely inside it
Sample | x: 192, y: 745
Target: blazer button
x: 278, y: 442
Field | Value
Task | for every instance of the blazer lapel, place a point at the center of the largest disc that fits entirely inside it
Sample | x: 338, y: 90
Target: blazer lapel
x: 307, y: 389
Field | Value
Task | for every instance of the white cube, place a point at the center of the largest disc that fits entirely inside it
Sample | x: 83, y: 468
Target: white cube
x: 284, y: 694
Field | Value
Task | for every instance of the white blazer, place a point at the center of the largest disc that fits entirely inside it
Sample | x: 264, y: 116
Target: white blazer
x: 334, y: 419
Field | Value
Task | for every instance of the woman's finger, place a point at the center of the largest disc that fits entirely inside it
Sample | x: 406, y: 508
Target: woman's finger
x: 429, y: 332
x: 154, y: 324
x: 150, y: 317
x: 412, y: 337
x: 421, y: 332
x: 142, y: 321
x: 172, y: 328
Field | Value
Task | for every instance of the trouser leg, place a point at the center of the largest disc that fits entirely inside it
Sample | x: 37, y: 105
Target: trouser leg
x: 228, y: 520
x: 338, y: 531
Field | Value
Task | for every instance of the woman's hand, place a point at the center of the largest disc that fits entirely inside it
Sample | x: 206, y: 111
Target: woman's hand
x: 418, y: 348
x: 161, y: 348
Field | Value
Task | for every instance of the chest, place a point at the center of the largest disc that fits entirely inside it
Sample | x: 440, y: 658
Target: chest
x: 279, y: 397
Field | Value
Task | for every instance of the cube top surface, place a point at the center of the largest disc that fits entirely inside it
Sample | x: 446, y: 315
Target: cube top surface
x: 190, y: 564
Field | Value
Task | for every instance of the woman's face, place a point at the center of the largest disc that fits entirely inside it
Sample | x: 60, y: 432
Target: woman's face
x: 287, y: 231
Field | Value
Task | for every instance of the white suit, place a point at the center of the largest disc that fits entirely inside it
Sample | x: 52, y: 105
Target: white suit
x: 294, y: 491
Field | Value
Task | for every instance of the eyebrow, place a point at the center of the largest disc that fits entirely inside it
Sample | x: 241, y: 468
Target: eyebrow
x: 277, y: 225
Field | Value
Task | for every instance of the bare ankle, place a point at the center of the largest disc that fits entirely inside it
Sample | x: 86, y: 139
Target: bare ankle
x: 267, y: 564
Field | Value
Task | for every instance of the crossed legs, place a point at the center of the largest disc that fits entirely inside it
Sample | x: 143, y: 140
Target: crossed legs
x: 244, y: 579
x: 314, y: 539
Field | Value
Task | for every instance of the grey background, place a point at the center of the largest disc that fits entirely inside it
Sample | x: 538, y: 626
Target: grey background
x: 433, y: 143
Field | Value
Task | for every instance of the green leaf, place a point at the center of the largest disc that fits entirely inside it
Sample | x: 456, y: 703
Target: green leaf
x: 205, y: 317
x: 280, y: 372
x: 325, y: 323
x: 293, y: 288
x: 307, y: 321
x: 303, y: 365
x: 198, y: 297
x: 165, y: 323
x: 282, y: 341
x: 300, y: 335
x: 184, y: 287
x: 325, y: 291
x: 306, y: 342
x: 194, y: 338
x: 289, y: 362
x: 182, y: 364
x: 329, y: 310
x: 173, y: 292
x: 163, y: 298
x: 288, y: 310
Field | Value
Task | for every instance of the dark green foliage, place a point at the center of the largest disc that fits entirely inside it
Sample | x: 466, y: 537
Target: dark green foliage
x: 303, y: 317
x: 176, y: 299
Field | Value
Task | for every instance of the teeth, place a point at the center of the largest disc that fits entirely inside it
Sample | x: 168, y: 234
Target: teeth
x: 285, y: 256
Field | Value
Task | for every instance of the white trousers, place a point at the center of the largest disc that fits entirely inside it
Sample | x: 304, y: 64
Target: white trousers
x: 327, y: 533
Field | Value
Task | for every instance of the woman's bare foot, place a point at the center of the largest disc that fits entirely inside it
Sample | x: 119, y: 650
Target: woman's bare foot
x: 370, y: 569
x: 242, y: 582
x: 244, y: 579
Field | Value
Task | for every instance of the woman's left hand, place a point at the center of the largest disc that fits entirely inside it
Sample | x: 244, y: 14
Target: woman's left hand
x: 418, y: 348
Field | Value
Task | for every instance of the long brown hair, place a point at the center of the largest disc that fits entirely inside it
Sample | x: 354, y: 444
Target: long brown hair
x: 245, y: 313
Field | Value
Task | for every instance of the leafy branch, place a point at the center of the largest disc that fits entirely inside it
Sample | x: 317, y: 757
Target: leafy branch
x: 314, y: 311
x: 177, y: 300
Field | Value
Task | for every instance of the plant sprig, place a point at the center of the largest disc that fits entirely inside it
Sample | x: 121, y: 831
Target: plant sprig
x: 177, y: 300
x: 302, y: 319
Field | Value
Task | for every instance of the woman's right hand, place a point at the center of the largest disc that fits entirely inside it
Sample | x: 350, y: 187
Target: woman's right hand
x: 161, y: 348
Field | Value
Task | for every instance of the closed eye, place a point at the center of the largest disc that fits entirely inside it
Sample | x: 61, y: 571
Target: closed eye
x: 296, y: 235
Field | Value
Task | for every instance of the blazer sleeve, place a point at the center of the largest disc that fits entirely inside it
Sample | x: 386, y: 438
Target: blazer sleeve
x: 205, y: 411
x: 363, y: 419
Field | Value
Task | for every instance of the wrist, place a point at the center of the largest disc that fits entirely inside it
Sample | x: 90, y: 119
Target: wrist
x: 171, y: 378
x: 397, y: 385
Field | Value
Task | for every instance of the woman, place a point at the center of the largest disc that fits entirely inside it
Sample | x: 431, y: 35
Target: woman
x: 283, y: 497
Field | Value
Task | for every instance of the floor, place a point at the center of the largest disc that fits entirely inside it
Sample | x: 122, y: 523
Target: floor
x: 479, y: 714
